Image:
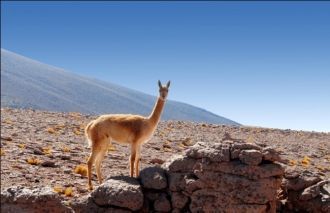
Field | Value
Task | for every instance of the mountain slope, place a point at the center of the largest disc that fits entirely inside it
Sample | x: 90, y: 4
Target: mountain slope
x: 26, y: 83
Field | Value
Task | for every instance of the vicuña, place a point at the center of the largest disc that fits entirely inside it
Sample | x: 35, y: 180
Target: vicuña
x: 122, y: 128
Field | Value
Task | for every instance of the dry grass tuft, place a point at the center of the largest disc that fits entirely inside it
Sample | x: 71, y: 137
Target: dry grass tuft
x: 292, y: 162
x: 111, y: 148
x: 186, y: 142
x: 76, y: 131
x: 33, y: 161
x: 8, y: 121
x: 51, y: 130
x: 81, y: 169
x: 2, y: 152
x: 58, y: 189
x: 305, y: 161
x: 66, y: 191
x: 66, y: 149
x: 47, y: 150
x: 21, y: 145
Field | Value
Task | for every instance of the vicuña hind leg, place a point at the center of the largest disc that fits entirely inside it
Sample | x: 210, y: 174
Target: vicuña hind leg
x: 90, y: 162
x: 99, y: 159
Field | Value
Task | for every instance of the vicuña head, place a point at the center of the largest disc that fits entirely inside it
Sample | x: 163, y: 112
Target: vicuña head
x: 122, y: 128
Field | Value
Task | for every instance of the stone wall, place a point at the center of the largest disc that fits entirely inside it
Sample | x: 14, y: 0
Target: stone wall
x: 221, y: 177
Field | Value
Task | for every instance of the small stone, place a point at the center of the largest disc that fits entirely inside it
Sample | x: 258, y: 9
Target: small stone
x: 251, y: 157
x: 37, y: 152
x: 162, y: 204
x: 156, y: 161
x: 179, y: 200
x: 65, y: 157
x: 67, y: 171
x: 48, y: 164
x: 6, y: 138
x: 237, y: 147
x: 270, y: 154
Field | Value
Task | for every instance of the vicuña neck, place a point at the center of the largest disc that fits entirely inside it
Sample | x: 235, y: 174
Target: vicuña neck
x: 157, y: 111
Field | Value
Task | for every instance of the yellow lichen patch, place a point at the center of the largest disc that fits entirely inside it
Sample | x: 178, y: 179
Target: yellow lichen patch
x: 2, y: 152
x: 33, y: 161
x: 81, y: 169
x: 292, y: 162
x: 50, y: 130
x: 68, y: 192
x: 305, y: 161
x: 22, y: 146
x: 58, y: 189
x: 47, y: 150
x: 66, y: 149
x: 111, y: 148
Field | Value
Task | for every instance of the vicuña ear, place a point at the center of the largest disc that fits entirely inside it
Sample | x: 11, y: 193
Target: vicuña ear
x: 159, y: 84
x: 168, y: 84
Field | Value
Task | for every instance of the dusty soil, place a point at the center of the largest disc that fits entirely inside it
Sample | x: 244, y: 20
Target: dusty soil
x: 48, y: 138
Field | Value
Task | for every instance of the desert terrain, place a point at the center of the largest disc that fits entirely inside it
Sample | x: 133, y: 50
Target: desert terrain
x: 41, y: 148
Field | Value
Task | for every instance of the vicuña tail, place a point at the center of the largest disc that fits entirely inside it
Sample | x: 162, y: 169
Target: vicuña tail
x: 87, y: 135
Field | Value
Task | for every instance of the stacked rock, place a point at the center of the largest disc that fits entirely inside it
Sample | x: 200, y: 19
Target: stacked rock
x: 224, y: 177
x: 305, y: 191
x: 154, y: 183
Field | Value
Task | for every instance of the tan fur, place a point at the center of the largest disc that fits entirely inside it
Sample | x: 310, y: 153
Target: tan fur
x: 122, y: 128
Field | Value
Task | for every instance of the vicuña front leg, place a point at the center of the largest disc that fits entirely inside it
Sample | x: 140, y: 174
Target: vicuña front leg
x: 137, y: 161
x: 132, y: 160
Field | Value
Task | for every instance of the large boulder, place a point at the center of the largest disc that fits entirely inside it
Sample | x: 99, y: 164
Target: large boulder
x: 21, y: 199
x: 124, y: 192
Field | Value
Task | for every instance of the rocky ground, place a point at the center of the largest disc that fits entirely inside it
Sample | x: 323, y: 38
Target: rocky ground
x: 49, y: 149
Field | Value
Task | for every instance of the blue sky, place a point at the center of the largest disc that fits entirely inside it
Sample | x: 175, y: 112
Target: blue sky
x: 258, y: 63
